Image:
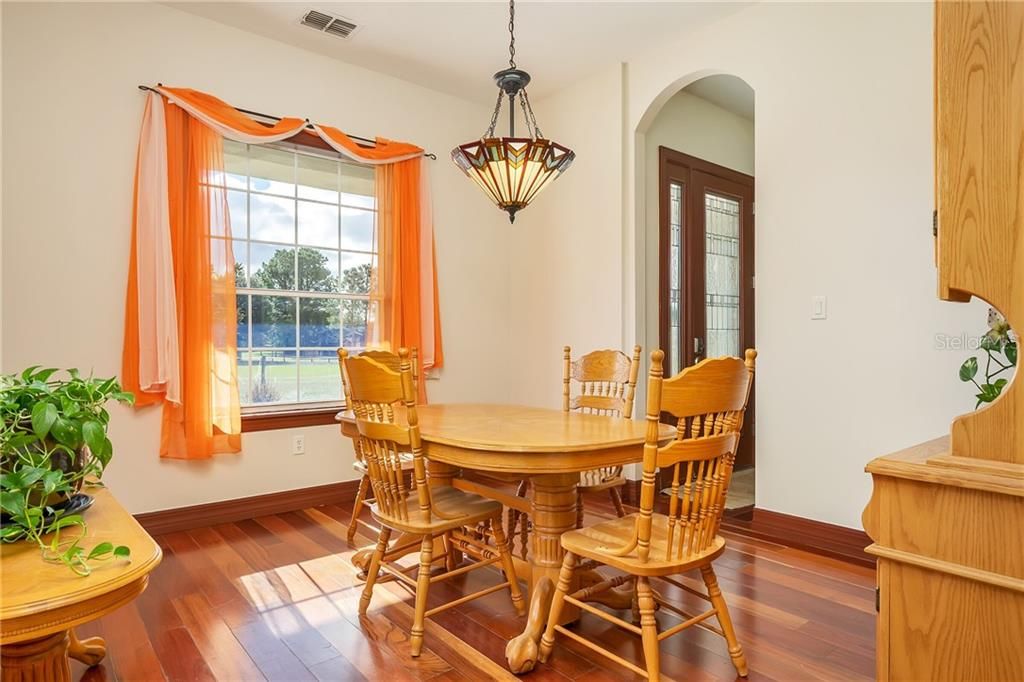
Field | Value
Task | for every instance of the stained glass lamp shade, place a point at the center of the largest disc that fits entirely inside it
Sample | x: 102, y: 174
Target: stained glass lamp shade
x: 512, y: 170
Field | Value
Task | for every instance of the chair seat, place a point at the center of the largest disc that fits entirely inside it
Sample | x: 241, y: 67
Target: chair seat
x: 600, y: 540
x: 360, y: 466
x: 451, y: 508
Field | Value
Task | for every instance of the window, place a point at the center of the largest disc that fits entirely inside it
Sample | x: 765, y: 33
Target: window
x: 302, y: 225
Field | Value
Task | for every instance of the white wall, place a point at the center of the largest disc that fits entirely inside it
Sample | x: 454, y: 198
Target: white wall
x: 843, y: 161
x: 71, y: 114
x: 565, y: 264
x: 699, y: 128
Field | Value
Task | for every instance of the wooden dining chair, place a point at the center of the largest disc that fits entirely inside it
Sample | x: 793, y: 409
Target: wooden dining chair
x: 384, y: 404
x: 607, y: 386
x: 709, y: 399
x: 392, y: 362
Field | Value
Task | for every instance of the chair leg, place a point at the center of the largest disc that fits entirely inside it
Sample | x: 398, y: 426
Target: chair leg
x: 357, y: 507
x: 422, y: 586
x: 722, y: 611
x: 374, y: 569
x: 514, y: 515
x: 648, y: 628
x: 616, y: 496
x: 635, y: 606
x: 579, y: 508
x: 547, y: 641
x: 501, y: 545
x: 449, y: 552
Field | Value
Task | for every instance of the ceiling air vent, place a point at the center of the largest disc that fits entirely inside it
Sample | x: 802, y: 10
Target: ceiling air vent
x: 321, y: 21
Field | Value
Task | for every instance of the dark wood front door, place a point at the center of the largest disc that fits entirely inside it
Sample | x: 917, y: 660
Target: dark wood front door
x: 707, y: 268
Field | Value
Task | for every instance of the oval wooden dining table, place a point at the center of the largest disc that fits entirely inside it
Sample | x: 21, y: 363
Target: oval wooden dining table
x: 548, y: 446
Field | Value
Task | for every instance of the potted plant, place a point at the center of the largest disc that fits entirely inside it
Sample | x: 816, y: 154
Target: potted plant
x: 53, y: 440
x: 1000, y: 346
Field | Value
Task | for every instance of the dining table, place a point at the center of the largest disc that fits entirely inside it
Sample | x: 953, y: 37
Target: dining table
x: 550, y: 448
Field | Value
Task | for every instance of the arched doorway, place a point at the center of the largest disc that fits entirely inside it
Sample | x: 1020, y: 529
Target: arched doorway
x: 697, y: 262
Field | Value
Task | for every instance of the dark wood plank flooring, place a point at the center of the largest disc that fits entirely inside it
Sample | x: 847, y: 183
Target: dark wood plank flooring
x: 276, y: 598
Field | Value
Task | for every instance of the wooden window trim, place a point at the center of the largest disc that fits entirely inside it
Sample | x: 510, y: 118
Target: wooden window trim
x: 289, y: 418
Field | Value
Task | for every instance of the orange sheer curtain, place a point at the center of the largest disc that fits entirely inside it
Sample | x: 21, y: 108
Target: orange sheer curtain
x: 179, y: 343
x: 402, y: 258
x: 208, y: 420
x: 205, y: 419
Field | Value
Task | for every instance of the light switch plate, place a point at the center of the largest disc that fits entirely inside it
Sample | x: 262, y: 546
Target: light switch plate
x: 819, y: 308
x: 298, y: 445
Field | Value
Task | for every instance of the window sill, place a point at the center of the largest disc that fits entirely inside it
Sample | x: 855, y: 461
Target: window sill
x: 289, y: 419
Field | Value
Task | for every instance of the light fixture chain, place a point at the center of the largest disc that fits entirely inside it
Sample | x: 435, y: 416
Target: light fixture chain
x: 512, y: 33
x: 529, y: 110
x: 494, y: 116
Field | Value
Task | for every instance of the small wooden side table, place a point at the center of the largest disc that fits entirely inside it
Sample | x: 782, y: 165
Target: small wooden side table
x: 41, y: 602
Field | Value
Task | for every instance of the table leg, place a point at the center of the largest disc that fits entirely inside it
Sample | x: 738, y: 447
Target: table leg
x: 90, y: 650
x: 37, y: 660
x: 553, y: 505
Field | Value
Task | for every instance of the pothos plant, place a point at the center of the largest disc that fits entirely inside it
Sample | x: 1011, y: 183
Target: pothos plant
x: 53, y: 439
x: 1000, y: 347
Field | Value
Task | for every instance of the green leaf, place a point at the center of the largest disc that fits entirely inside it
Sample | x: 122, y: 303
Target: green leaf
x: 988, y: 393
x: 23, y: 478
x: 51, y: 481
x: 100, y: 550
x: 27, y: 374
x: 969, y: 369
x: 12, y: 503
x: 67, y: 432
x: 122, y: 551
x: 991, y: 342
x: 1011, y: 352
x: 43, y: 417
x: 126, y: 397
x: 11, y: 532
x: 94, y: 435
x: 1000, y: 383
x: 65, y: 521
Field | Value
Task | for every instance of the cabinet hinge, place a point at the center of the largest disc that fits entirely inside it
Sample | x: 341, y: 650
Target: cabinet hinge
x: 878, y: 600
x: 935, y: 223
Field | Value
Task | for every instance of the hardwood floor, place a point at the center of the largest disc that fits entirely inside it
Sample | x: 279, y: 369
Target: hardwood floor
x: 276, y: 598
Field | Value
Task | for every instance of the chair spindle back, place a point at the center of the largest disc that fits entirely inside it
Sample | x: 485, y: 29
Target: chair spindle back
x: 377, y: 395
x: 607, y: 380
x: 709, y: 399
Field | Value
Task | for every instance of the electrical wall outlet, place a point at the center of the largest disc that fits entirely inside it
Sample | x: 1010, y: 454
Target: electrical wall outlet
x: 298, y: 445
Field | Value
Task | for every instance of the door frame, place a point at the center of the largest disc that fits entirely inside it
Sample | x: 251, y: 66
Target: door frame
x: 693, y: 172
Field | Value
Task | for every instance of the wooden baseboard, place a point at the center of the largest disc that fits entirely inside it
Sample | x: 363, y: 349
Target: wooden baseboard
x: 826, y: 539
x: 228, y: 511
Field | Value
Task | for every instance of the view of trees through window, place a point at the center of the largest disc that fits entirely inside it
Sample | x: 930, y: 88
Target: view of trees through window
x: 302, y: 227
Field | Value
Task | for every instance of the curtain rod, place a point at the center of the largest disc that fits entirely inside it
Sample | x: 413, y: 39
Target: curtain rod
x: 309, y: 126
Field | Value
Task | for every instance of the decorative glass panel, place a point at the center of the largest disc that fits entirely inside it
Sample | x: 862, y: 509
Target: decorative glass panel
x: 675, y: 276
x: 722, y: 275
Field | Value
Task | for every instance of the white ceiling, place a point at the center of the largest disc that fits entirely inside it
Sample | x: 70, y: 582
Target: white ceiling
x: 729, y: 92
x: 455, y: 47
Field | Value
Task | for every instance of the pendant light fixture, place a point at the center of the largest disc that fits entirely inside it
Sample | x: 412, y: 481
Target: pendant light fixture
x: 513, y: 170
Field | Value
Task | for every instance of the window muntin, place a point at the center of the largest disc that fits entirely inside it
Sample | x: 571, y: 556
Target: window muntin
x: 303, y: 235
